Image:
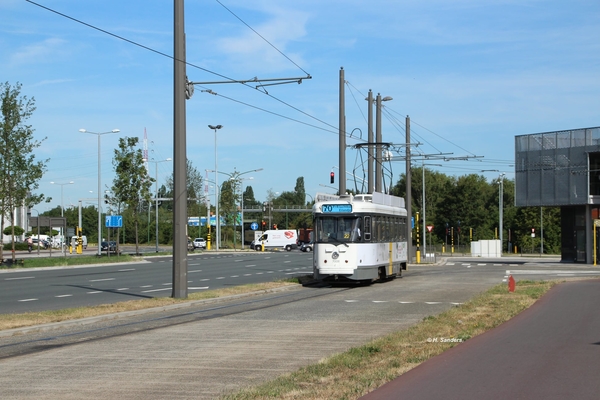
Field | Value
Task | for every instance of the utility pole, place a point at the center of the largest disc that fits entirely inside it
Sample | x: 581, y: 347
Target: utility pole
x: 408, y: 197
x: 370, y: 182
x: 180, y: 287
x: 342, y: 135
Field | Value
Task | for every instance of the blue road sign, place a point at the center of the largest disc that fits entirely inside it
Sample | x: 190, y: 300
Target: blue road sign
x: 254, y: 226
x: 114, y: 221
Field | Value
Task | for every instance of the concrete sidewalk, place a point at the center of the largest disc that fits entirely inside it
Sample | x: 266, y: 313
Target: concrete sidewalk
x: 549, y: 351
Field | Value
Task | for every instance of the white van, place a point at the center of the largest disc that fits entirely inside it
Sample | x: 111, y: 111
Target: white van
x: 284, y: 239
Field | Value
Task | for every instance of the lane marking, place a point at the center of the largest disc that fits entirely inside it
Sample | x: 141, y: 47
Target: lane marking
x: 29, y: 300
x: 145, y: 286
x: 550, y: 271
x: 155, y: 290
x: 64, y: 295
x: 196, y: 270
x: 101, y: 280
x: 128, y: 269
x: 198, y: 288
x: 22, y: 277
x: 125, y: 288
x: 94, y: 292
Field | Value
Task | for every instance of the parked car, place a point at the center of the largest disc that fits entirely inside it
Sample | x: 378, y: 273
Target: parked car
x: 199, y: 243
x: 307, y: 247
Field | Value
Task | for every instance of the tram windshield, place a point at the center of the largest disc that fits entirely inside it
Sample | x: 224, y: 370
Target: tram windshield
x: 338, y: 229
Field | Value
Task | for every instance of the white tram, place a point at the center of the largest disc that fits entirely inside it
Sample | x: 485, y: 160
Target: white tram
x: 359, y: 238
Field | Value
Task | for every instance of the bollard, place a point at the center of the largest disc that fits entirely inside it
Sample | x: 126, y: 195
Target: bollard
x: 511, y: 284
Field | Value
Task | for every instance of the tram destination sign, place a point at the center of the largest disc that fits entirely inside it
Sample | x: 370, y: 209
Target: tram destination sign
x: 337, y: 208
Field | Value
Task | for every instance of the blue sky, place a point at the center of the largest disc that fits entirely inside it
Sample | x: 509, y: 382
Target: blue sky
x: 471, y: 74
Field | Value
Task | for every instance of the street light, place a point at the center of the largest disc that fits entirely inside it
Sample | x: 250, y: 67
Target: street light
x: 62, y: 213
x: 232, y: 176
x: 242, y: 207
x: 424, y: 221
x: 501, y: 207
x: 500, y: 203
x: 156, y: 162
x: 99, y: 134
x: 217, y: 222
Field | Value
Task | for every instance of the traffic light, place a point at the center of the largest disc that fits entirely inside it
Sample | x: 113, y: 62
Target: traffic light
x: 264, y: 224
x: 332, y: 177
x: 275, y: 226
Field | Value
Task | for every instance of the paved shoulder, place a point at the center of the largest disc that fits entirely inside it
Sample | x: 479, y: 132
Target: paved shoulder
x: 549, y: 351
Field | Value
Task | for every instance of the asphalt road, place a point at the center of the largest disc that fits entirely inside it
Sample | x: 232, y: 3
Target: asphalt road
x: 57, y: 288
x: 207, y: 349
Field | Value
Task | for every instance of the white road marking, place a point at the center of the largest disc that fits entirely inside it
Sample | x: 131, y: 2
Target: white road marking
x: 145, y: 286
x: 351, y: 301
x: 549, y: 271
x: 64, y: 295
x: 221, y: 277
x: 98, y: 291
x: 101, y: 280
x: 29, y: 300
x: 22, y: 277
x: 121, y: 289
x: 234, y: 276
x: 433, y: 302
x: 198, y: 288
x: 128, y: 269
x: 379, y: 301
x: 251, y: 265
x: 155, y: 290
x: 196, y: 270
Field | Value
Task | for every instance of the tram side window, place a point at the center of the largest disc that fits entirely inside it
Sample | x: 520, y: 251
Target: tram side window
x: 367, y: 228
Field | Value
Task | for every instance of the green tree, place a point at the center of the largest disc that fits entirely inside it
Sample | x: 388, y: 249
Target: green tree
x: 132, y: 183
x: 19, y: 171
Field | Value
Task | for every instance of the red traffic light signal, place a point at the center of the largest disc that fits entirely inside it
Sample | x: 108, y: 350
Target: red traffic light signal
x: 331, y: 177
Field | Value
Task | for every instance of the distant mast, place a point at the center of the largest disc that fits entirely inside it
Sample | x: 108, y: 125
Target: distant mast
x: 146, y: 151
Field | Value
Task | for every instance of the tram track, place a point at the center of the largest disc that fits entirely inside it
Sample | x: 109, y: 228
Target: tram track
x: 106, y: 327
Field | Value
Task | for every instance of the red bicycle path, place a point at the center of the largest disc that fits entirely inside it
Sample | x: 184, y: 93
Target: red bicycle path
x: 549, y: 351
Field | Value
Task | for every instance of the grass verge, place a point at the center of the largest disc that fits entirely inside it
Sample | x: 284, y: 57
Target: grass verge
x: 360, y: 370
x: 12, y: 321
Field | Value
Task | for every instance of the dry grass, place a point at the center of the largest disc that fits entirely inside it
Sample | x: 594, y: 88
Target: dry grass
x: 12, y: 321
x: 360, y: 370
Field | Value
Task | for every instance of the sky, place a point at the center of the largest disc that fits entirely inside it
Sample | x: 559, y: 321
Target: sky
x: 471, y: 75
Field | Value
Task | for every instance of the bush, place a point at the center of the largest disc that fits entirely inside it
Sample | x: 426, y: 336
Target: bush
x: 18, y: 246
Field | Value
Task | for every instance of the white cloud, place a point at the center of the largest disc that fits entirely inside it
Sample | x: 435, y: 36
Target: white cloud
x: 41, y: 52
